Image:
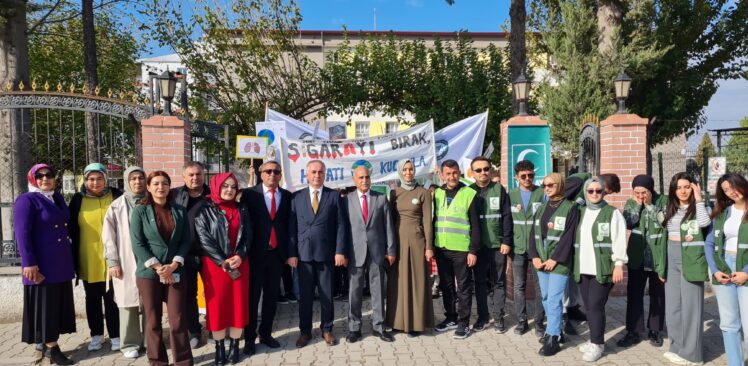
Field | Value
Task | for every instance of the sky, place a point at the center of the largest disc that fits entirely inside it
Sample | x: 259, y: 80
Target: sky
x: 725, y: 109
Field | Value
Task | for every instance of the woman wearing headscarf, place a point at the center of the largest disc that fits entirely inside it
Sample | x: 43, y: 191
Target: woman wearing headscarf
x: 600, y: 253
x: 40, y: 225
x: 409, y: 304
x: 551, y: 247
x: 727, y: 254
x: 121, y: 261
x: 687, y: 222
x: 225, y: 235
x: 87, y: 210
x: 161, y: 239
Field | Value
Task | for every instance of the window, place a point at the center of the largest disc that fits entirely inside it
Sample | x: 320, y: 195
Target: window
x: 362, y: 129
x: 391, y: 127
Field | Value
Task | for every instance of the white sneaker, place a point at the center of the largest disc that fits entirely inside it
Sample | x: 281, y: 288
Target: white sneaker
x: 674, y: 358
x: 133, y: 353
x: 584, y: 346
x: 593, y: 353
x: 115, y: 344
x: 194, y: 342
x: 95, y: 344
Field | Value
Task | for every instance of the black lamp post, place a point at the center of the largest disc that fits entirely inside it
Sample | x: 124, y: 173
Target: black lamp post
x: 167, y: 85
x: 521, y: 89
x: 622, y: 85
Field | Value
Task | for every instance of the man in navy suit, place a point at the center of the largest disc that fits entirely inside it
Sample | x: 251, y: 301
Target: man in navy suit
x: 317, y: 229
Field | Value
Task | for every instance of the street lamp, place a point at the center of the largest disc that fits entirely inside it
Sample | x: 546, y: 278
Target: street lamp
x: 521, y: 89
x: 622, y: 86
x: 167, y: 85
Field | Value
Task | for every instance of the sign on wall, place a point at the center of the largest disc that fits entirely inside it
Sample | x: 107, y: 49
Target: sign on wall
x: 531, y: 143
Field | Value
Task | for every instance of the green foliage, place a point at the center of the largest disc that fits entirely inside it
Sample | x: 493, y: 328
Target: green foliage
x: 446, y: 82
x: 673, y: 50
x: 242, y: 54
x: 705, y: 145
x: 736, y: 150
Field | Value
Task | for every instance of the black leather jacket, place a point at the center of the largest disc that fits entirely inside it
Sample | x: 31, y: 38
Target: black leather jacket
x: 213, y: 230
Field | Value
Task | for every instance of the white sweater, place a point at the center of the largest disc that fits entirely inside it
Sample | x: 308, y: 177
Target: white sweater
x: 587, y: 260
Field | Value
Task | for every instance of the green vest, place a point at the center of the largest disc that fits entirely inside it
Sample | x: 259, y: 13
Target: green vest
x: 522, y: 217
x: 554, y: 233
x: 695, y: 268
x: 603, y: 245
x: 489, y: 208
x: 452, y: 227
x: 719, y: 246
x: 648, y: 232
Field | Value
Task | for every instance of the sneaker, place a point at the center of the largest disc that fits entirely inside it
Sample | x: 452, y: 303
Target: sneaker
x: 500, y: 326
x: 594, y: 352
x: 445, y: 326
x: 479, y: 326
x: 291, y: 298
x: 115, y: 344
x: 539, y: 329
x: 521, y: 328
x: 655, y: 338
x: 133, y: 353
x: 584, y: 347
x: 462, y: 333
x: 630, y: 339
x: 95, y: 344
x: 194, y: 342
x: 282, y: 299
x: 674, y: 358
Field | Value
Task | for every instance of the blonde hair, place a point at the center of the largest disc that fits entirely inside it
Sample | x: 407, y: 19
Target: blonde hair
x: 559, y: 180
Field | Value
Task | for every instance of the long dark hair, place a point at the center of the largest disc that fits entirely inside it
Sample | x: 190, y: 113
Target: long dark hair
x: 672, y: 199
x: 148, y: 199
x: 738, y: 183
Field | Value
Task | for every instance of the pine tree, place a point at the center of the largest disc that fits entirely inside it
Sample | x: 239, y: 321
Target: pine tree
x: 707, y: 146
x: 736, y: 151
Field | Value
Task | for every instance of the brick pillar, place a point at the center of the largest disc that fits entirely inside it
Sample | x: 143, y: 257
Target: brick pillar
x: 623, y: 151
x: 507, y: 173
x: 167, y: 145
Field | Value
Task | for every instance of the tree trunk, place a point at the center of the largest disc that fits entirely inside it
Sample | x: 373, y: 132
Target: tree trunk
x: 517, y: 49
x: 609, y: 16
x: 15, y: 147
x: 90, y: 64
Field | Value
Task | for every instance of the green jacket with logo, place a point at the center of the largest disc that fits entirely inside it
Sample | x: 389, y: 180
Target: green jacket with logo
x: 646, y: 230
x: 561, y: 225
x: 719, y: 246
x: 495, y: 217
x: 603, y: 245
x: 522, y: 217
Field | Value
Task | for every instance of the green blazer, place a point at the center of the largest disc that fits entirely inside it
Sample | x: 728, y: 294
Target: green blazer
x: 148, y: 243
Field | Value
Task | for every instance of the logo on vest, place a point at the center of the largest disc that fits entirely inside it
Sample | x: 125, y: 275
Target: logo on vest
x: 495, y: 203
x: 535, y: 206
x: 559, y: 223
x: 603, y: 230
x: 517, y: 208
x: 415, y: 201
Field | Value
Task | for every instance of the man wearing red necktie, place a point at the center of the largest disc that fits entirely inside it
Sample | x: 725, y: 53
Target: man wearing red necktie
x: 269, y: 207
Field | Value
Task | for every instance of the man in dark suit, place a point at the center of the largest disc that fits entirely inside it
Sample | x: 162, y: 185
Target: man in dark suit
x: 317, y: 243
x: 269, y: 207
x: 373, y: 238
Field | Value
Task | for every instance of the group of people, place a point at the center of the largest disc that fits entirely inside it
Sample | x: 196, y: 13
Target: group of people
x: 136, y: 249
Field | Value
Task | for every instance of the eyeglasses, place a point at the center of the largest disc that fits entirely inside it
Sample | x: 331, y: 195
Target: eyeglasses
x: 549, y: 185
x: 594, y: 191
x: 527, y: 176
x: 226, y: 186
x: 272, y: 171
x: 48, y: 175
x: 483, y: 170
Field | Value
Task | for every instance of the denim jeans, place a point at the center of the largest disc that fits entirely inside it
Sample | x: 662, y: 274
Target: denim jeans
x: 732, y: 301
x: 552, y: 287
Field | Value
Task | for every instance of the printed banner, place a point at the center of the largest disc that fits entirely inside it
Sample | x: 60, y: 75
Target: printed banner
x: 380, y: 154
x: 531, y: 143
x: 462, y: 140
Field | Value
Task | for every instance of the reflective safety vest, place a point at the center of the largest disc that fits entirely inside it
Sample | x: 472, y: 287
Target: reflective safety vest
x: 546, y: 246
x: 648, y: 232
x: 489, y: 207
x: 695, y: 268
x: 522, y: 217
x: 602, y: 244
x: 452, y: 224
x: 719, y: 246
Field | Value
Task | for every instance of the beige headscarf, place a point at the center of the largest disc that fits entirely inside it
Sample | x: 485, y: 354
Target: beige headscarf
x: 406, y: 185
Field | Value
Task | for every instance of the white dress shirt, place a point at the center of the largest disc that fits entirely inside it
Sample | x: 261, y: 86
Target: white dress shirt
x: 311, y: 194
x: 269, y: 198
x: 361, y: 200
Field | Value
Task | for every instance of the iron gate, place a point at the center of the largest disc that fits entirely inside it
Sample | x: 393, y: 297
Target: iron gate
x: 589, y: 149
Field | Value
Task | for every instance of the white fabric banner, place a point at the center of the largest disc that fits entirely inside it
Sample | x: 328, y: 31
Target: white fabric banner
x: 462, y: 140
x: 296, y: 129
x: 380, y: 154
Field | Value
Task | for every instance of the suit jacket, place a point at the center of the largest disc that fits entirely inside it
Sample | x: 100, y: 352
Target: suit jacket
x: 254, y: 199
x: 319, y: 237
x: 148, y: 243
x: 376, y: 237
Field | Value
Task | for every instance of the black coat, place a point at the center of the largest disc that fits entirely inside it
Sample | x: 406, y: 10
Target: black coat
x: 213, y: 232
x: 254, y: 199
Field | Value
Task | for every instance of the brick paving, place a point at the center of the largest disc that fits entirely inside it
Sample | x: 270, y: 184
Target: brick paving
x: 432, y: 348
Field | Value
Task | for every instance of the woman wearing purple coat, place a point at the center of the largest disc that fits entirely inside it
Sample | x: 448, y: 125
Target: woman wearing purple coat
x: 40, y: 224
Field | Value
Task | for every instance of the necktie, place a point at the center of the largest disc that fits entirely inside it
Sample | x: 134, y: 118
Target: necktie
x: 273, y: 238
x: 365, y: 210
x: 315, y: 202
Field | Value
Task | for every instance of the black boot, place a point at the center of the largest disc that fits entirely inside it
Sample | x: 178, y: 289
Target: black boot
x: 568, y: 327
x: 56, y: 357
x: 220, y: 352
x: 551, y: 346
x: 233, y: 356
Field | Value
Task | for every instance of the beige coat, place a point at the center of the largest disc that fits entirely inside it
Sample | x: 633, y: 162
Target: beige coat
x: 118, y: 251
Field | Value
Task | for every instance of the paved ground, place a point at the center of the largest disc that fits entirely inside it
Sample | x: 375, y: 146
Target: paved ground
x: 431, y: 348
